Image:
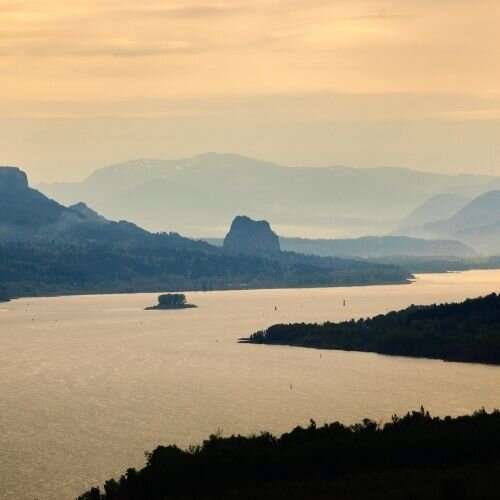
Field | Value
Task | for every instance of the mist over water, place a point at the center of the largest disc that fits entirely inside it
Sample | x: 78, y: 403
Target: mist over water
x: 88, y: 383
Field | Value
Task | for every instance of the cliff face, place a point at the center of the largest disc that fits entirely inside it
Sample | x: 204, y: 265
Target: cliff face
x: 22, y: 207
x: 248, y: 236
x: 12, y: 179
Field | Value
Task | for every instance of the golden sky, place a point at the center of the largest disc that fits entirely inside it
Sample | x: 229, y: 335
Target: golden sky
x: 168, y: 78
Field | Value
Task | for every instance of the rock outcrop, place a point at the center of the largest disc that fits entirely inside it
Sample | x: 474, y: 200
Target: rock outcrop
x: 12, y: 179
x: 22, y: 207
x: 248, y: 236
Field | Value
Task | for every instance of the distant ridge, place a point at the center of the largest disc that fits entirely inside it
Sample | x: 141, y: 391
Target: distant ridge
x: 481, y: 211
x: 374, y: 247
x: 438, y: 207
x: 371, y: 247
x: 476, y: 224
x: 202, y: 193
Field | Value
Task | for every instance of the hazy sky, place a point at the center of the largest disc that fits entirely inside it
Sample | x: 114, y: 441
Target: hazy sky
x: 302, y: 82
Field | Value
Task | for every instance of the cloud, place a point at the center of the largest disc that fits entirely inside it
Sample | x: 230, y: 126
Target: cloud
x: 377, y: 17
x: 190, y: 11
x: 118, y: 49
x: 323, y: 106
x: 6, y: 8
x: 87, y: 48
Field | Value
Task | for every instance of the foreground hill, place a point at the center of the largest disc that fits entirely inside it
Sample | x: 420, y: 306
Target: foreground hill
x: 411, y: 457
x: 200, y: 194
x: 469, y: 331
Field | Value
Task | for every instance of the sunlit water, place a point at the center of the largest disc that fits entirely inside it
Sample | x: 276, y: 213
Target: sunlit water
x: 88, y: 383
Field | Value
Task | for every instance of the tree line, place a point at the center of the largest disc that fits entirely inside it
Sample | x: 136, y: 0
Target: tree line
x: 467, y: 331
x: 34, y: 269
x: 413, y: 456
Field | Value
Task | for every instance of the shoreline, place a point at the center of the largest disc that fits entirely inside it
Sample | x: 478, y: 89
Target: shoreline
x: 409, y: 281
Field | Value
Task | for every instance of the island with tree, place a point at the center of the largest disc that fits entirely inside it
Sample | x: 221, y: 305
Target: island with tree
x: 171, y: 301
x: 467, y: 331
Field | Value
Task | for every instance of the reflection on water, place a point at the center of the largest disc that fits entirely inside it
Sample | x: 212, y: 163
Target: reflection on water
x: 87, y: 384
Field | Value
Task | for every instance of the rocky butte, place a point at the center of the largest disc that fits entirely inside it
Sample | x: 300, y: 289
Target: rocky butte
x: 12, y: 179
x: 248, y: 236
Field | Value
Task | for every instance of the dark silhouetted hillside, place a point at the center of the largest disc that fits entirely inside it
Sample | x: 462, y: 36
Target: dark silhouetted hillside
x: 469, y: 331
x: 27, y: 215
x: 22, y: 207
x: 416, y: 456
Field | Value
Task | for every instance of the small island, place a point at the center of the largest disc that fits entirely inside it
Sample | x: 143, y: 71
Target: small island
x: 171, y: 301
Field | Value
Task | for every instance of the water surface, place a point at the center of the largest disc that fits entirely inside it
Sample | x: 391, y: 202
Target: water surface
x: 88, y: 383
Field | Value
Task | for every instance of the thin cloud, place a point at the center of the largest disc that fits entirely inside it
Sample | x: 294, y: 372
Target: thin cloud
x: 32, y: 34
x: 192, y: 11
x: 118, y: 49
x: 7, y: 8
x: 377, y: 17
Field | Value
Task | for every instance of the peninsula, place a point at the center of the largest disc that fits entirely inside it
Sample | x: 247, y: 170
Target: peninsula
x: 467, y: 332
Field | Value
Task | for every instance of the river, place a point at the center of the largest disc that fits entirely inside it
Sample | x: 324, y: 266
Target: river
x: 88, y: 383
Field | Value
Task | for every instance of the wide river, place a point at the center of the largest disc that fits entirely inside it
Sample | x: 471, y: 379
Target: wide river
x: 88, y: 383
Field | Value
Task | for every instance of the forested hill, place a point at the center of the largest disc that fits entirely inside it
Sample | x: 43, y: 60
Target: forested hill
x: 467, y: 331
x: 48, y: 269
x: 46, y: 248
x: 411, y: 457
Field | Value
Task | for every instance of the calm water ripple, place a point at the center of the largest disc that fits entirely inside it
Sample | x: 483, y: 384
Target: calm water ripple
x: 88, y: 383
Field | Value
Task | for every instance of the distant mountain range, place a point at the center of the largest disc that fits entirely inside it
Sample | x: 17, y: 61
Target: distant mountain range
x: 200, y: 195
x: 476, y: 224
x: 438, y: 207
